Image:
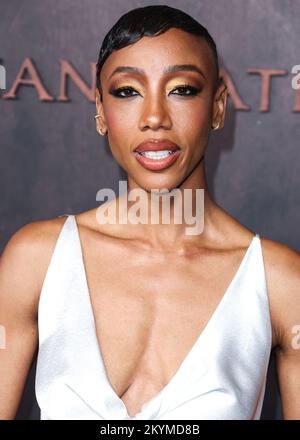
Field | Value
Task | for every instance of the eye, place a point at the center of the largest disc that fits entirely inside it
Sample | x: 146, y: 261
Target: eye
x: 126, y: 90
x: 186, y: 90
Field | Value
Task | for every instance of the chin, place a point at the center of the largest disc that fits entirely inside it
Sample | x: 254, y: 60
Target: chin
x: 157, y: 182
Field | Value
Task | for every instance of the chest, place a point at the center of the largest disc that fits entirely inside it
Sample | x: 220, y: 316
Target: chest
x: 150, y: 309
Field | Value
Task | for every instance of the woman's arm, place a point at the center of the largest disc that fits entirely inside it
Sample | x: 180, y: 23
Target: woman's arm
x: 19, y: 288
x: 284, y: 290
x: 23, y: 267
x: 288, y: 354
x: 288, y: 367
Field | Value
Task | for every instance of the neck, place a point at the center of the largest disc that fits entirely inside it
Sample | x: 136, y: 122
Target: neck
x: 167, y: 220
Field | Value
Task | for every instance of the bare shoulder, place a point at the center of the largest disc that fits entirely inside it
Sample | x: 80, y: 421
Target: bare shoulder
x: 27, y: 254
x: 282, y: 264
x: 35, y: 231
x: 283, y: 277
x: 34, y: 238
x: 282, y: 268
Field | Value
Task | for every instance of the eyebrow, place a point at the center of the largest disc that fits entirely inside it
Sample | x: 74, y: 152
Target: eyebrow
x: 169, y: 69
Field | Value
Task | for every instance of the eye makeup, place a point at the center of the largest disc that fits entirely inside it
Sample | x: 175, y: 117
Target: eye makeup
x: 118, y: 91
x: 180, y: 89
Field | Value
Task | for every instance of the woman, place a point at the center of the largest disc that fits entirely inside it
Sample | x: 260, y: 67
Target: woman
x: 143, y: 320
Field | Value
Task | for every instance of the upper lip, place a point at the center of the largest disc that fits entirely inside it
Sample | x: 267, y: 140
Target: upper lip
x: 156, y: 145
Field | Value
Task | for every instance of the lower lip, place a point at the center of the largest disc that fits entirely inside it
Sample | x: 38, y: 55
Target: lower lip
x: 157, y: 164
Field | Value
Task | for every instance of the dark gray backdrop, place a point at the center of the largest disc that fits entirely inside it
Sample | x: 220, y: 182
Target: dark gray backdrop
x: 53, y: 161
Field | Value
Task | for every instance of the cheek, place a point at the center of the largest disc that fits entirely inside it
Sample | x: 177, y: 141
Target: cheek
x: 113, y: 120
x: 117, y: 125
x: 193, y: 120
x: 121, y: 123
x: 193, y: 126
x: 120, y: 118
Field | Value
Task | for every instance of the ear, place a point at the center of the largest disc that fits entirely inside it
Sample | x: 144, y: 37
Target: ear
x: 219, y: 106
x: 100, y: 121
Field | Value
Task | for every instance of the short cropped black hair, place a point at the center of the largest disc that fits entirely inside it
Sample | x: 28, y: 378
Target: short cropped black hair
x: 149, y: 21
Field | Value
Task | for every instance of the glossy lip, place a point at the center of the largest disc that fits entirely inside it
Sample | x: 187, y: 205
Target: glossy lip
x: 157, y: 164
x: 156, y: 145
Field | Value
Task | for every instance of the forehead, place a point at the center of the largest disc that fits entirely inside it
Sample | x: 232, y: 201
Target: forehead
x: 154, y: 54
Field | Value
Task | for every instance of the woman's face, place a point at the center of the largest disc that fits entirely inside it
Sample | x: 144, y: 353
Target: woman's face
x: 179, y: 105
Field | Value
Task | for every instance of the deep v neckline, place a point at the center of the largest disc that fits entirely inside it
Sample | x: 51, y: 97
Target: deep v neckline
x: 191, y: 351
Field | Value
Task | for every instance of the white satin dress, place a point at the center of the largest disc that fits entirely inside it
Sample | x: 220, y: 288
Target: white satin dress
x: 223, y: 376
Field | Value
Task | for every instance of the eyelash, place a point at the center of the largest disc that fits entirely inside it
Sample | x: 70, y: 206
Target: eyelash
x: 193, y: 91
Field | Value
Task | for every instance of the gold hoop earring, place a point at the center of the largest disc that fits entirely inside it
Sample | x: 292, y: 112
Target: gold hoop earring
x: 216, y: 127
x: 99, y: 129
x: 100, y: 132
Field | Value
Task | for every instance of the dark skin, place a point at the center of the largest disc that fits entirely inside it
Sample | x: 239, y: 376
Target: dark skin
x: 166, y: 310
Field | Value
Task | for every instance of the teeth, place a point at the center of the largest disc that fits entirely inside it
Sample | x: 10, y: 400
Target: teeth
x: 157, y: 154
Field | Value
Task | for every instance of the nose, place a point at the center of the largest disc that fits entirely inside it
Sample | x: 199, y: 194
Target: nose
x: 155, y: 114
